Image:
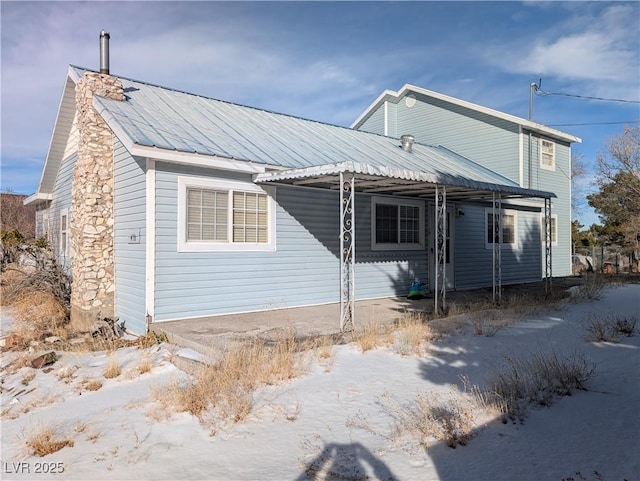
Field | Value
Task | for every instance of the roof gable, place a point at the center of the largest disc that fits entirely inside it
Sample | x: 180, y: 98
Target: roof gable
x: 407, y: 89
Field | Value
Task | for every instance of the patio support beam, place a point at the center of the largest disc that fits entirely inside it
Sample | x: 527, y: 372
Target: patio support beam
x: 347, y: 251
x: 548, y: 240
x: 497, y: 248
x: 440, y: 249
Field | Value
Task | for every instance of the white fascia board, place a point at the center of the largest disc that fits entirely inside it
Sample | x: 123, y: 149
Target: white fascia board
x: 494, y: 113
x: 37, y: 197
x: 198, y: 160
x: 150, y: 238
x: 534, y: 126
x: 50, y: 161
x: 381, y: 98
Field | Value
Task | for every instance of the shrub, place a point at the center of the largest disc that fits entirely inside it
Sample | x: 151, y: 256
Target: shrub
x: 448, y: 418
x: 537, y: 379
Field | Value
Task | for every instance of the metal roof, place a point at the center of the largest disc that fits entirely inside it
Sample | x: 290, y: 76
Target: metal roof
x: 175, y: 121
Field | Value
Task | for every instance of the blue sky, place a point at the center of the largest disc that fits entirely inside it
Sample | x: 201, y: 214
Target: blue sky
x: 326, y: 61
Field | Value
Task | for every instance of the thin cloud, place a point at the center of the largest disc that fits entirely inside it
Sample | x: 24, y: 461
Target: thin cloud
x: 598, y: 46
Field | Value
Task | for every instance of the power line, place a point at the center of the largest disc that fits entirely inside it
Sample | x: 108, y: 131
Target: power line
x: 564, y: 94
x: 594, y: 123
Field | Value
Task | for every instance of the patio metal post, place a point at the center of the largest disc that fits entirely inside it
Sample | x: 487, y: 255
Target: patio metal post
x: 440, y: 248
x: 347, y: 251
x: 497, y: 248
x: 548, y: 275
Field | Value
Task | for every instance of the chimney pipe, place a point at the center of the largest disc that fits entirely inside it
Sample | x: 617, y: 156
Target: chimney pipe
x: 407, y: 142
x: 104, y: 52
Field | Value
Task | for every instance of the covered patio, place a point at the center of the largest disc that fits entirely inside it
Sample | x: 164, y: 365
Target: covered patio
x: 437, y: 186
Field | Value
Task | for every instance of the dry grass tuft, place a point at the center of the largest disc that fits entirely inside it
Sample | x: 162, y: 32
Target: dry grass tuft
x: 610, y: 328
x: 224, y: 391
x: 45, y: 441
x: 145, y: 363
x: 369, y: 336
x: 37, y: 311
x: 93, y: 385
x: 113, y: 369
x: 537, y: 379
x: 449, y: 417
x: 412, y: 335
x: 592, y: 287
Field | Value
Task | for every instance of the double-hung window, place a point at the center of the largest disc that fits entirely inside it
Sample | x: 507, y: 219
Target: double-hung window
x: 547, y: 154
x: 397, y: 224
x: 64, y: 232
x: 509, y: 220
x: 215, y: 215
x: 553, y: 227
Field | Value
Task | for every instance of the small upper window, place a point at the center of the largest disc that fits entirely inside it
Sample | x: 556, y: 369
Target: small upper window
x: 547, y: 154
x: 397, y: 224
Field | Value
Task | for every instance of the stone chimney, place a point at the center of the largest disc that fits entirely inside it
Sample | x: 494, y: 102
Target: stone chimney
x: 92, y: 289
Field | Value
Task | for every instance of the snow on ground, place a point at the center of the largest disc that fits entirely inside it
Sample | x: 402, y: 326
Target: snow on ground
x: 316, y: 419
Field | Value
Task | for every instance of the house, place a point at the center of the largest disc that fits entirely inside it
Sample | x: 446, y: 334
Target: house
x: 532, y: 155
x: 167, y: 205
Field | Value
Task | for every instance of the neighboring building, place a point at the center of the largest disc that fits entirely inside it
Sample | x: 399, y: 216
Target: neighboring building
x: 530, y: 154
x: 168, y: 205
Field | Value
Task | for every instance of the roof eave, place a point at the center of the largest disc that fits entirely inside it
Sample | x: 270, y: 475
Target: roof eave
x: 36, y: 198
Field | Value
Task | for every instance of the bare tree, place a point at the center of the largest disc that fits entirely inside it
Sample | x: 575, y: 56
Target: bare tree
x: 14, y: 215
x: 578, y: 174
x: 618, y: 200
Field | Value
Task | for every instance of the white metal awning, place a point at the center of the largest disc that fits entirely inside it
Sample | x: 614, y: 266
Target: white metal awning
x: 392, y: 180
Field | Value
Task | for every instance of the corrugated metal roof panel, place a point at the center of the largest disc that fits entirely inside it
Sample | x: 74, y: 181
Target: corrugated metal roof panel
x: 177, y: 121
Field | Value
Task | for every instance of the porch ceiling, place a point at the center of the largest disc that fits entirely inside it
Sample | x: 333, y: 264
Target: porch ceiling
x: 393, y: 181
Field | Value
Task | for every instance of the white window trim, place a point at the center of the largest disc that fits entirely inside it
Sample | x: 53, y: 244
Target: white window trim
x: 554, y: 242
x: 542, y: 164
x: 64, y: 233
x: 514, y: 213
x: 227, y: 185
x: 397, y: 246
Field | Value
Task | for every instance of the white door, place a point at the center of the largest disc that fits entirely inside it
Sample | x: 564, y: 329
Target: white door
x: 449, y: 236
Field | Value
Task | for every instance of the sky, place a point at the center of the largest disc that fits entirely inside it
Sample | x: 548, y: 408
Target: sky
x: 327, y: 61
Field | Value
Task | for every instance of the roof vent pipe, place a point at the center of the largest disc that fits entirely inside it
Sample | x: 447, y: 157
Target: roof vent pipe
x: 104, y: 52
x: 407, y: 142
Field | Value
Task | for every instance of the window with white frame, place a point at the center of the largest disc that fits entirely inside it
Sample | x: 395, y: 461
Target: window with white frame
x: 64, y: 232
x: 217, y: 215
x: 397, y: 224
x: 509, y: 221
x: 547, y: 154
x: 554, y: 229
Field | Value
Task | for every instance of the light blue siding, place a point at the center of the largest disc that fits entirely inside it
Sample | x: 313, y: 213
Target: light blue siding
x: 494, y: 143
x: 484, y: 139
x: 61, y: 200
x: 129, y: 255
x: 375, y: 123
x: 382, y: 273
x: 559, y: 182
x: 304, y: 269
x: 474, y: 262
